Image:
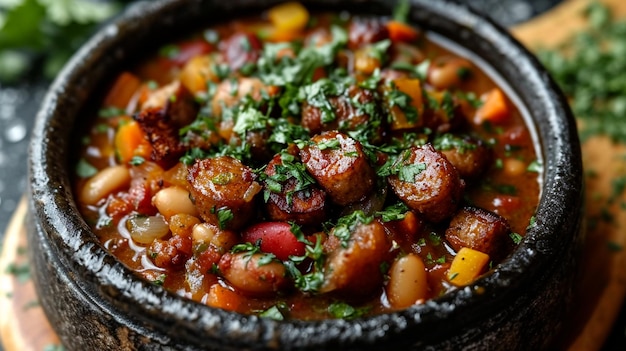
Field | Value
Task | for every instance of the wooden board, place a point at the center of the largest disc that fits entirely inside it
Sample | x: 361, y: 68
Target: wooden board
x: 23, y: 325
x: 602, y: 284
x: 600, y: 290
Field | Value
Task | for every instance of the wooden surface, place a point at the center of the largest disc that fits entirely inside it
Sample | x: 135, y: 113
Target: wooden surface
x: 601, y: 287
x: 23, y: 325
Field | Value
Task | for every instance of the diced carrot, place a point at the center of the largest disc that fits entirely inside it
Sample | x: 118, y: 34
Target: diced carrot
x: 130, y: 142
x: 399, y: 31
x: 494, y: 108
x: 289, y: 17
x: 365, y: 62
x: 467, y: 266
x: 224, y: 298
x: 413, y: 88
x: 409, y: 224
x: 122, y: 91
x: 196, y: 73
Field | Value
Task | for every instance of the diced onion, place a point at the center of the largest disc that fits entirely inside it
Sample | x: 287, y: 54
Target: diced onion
x: 144, y: 230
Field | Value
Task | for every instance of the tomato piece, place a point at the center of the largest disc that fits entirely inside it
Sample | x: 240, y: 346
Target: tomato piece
x: 275, y: 238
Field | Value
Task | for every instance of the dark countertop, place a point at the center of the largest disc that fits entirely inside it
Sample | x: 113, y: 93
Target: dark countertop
x: 19, y: 104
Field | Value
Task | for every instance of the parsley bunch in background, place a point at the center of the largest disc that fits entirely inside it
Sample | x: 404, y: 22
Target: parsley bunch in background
x: 38, y: 36
x: 590, y: 69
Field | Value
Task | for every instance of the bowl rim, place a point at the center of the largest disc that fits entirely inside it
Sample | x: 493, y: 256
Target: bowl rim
x: 66, y: 232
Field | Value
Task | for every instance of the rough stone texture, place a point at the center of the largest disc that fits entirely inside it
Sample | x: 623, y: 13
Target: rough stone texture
x: 79, y: 281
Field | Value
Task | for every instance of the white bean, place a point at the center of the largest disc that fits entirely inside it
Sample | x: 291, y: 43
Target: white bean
x: 407, y: 281
x: 208, y: 233
x: 104, y: 183
x: 448, y: 72
x: 174, y: 200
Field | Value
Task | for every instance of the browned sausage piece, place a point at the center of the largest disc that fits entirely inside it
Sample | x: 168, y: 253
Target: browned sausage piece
x: 349, y: 113
x: 444, y: 112
x: 240, y: 49
x: 177, y: 100
x: 162, y: 135
x: 162, y: 115
x: 355, y: 269
x: 364, y: 31
x: 427, y: 182
x: 223, y: 189
x: 297, y: 199
x: 469, y: 156
x: 339, y: 166
x: 480, y: 230
x: 250, y: 274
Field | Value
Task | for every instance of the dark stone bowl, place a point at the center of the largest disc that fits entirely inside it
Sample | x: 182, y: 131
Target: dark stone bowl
x: 95, y: 303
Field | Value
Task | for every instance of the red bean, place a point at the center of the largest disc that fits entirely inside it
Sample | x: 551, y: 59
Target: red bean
x: 275, y: 238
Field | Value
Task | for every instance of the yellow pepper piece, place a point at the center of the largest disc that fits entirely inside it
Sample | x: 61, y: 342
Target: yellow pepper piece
x: 467, y: 266
x: 290, y: 16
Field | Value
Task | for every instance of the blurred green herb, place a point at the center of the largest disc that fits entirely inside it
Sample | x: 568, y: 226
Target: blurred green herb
x: 589, y: 68
x: 38, y: 36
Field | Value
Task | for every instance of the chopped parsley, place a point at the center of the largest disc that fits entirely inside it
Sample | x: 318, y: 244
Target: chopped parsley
x: 449, y: 141
x: 345, y: 311
x: 589, y: 69
x: 224, y: 215
x: 312, y: 280
x: 160, y: 280
x: 347, y: 224
x: 21, y: 271
x: 274, y: 312
x: 110, y: 112
x: 137, y: 161
x: 516, y: 238
x: 393, y: 212
x: 84, y: 169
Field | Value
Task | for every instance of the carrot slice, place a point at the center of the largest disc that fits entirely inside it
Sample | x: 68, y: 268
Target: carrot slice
x: 224, y: 298
x: 494, y: 108
x: 122, y: 91
x: 196, y: 73
x: 399, y: 31
x: 130, y: 141
x: 412, y: 88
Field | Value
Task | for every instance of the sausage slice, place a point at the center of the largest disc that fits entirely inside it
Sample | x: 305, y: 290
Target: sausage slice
x: 291, y: 196
x: 480, y: 230
x: 427, y: 182
x: 223, y: 189
x: 340, y: 167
